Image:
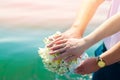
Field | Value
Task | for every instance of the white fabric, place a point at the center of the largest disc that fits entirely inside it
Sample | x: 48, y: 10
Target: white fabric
x: 112, y: 40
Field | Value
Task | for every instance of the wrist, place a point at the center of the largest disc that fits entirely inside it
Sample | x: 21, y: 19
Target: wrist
x: 85, y: 44
x: 88, y: 41
x: 78, y: 29
x: 100, y: 62
x: 105, y: 59
x: 74, y: 32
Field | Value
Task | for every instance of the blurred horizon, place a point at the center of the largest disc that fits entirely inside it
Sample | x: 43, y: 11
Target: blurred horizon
x: 36, y: 12
x: 43, y: 12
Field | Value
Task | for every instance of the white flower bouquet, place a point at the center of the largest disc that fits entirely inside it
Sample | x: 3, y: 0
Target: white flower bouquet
x: 59, y: 66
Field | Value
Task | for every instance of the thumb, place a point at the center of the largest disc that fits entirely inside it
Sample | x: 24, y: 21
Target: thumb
x: 79, y: 69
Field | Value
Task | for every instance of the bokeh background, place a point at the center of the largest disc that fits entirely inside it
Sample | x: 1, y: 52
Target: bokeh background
x: 23, y: 26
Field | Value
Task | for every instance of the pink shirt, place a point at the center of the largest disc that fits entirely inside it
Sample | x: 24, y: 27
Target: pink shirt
x: 112, y: 40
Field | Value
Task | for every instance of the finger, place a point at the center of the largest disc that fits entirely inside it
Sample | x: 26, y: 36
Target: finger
x: 57, y: 36
x: 61, y: 56
x: 61, y: 41
x: 80, y: 70
x: 70, y: 58
x: 52, y: 43
x: 58, y: 47
x: 61, y: 50
x: 81, y: 66
x: 60, y: 38
x: 50, y: 39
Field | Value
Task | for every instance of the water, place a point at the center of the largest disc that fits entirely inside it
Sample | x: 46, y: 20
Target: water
x: 19, y: 59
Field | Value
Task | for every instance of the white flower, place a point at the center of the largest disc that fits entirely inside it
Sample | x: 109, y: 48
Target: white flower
x: 59, y: 66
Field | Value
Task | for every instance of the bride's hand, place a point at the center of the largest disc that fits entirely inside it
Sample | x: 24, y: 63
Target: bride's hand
x: 70, y: 33
x: 68, y: 49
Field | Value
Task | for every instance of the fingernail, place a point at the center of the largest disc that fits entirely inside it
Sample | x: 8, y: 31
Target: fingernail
x: 51, y: 49
x: 50, y: 53
x: 48, y: 45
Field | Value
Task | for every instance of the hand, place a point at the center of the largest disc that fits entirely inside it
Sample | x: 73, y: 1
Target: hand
x: 70, y: 33
x: 87, y: 66
x: 69, y: 49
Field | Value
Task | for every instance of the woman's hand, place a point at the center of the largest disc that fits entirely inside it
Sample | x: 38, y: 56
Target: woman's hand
x: 70, y: 33
x: 69, y: 49
x: 87, y: 66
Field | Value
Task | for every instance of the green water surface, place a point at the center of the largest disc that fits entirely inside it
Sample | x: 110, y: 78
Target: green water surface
x: 19, y: 59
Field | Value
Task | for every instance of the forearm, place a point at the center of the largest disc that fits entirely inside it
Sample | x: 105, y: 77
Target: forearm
x: 108, y: 28
x: 86, y: 12
x: 112, y: 55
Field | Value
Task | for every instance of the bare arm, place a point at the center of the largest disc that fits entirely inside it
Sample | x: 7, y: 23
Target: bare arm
x: 110, y: 57
x: 108, y: 28
x: 85, y: 13
x: 113, y: 55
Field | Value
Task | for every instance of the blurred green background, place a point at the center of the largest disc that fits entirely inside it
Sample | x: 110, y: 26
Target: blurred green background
x: 23, y: 26
x: 19, y: 59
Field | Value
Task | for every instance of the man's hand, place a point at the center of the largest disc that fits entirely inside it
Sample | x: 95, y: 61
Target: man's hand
x: 87, y: 66
x: 69, y: 49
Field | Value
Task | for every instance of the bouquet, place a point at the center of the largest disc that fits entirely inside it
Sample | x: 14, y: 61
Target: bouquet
x: 60, y: 66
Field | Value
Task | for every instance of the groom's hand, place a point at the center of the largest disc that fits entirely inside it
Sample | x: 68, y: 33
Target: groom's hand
x: 87, y: 66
